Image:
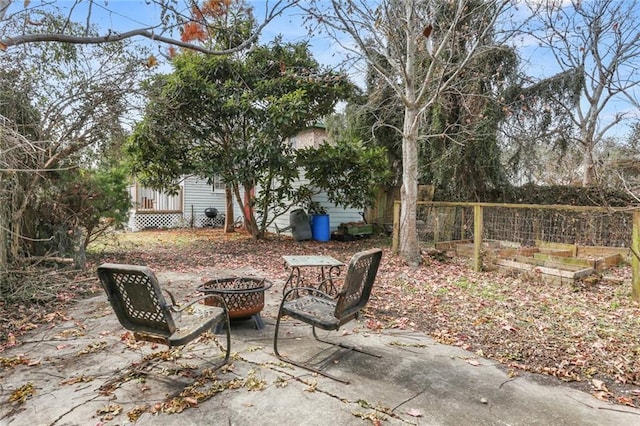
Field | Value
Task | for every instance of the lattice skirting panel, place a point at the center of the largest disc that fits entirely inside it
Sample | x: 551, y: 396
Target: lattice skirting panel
x: 202, y: 220
x: 138, y: 222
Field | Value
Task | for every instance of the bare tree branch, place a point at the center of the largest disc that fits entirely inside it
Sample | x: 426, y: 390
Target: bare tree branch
x: 148, y: 32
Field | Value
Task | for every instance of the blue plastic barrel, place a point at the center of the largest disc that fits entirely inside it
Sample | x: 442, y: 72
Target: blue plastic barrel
x: 320, y: 227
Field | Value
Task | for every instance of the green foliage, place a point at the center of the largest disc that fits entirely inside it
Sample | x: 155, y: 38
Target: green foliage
x: 568, y: 195
x: 91, y: 200
x: 230, y: 116
x: 460, y: 154
x: 349, y: 172
x: 64, y: 106
x: 536, y: 118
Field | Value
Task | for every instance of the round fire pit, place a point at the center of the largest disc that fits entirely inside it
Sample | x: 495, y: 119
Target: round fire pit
x: 244, y: 296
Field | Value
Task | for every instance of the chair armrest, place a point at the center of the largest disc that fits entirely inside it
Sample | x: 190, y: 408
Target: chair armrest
x: 223, y: 303
x: 173, y: 299
x: 307, y: 289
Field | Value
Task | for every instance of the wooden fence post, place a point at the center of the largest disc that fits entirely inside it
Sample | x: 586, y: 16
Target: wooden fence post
x: 635, y: 261
x: 395, y: 242
x: 478, y: 226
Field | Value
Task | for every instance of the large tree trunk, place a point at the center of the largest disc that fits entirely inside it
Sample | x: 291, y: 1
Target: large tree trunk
x: 409, y: 248
x: 588, y: 172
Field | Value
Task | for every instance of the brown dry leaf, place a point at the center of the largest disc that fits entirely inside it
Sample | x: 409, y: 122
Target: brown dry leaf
x: 33, y: 363
x: 601, y: 395
x: 594, y: 328
x: 77, y: 379
x: 134, y: 414
x: 23, y: 393
x: 599, y: 385
x: 11, y: 340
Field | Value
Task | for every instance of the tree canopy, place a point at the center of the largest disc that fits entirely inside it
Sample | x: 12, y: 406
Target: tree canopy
x: 231, y: 116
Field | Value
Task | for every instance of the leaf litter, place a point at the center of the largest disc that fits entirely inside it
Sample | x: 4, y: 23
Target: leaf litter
x: 583, y: 334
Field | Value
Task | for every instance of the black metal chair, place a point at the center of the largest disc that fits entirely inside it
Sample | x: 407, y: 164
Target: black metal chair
x: 321, y: 310
x: 136, y: 298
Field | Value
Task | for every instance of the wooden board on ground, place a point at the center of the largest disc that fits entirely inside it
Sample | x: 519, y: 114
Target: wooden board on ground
x: 558, y: 246
x: 608, y: 262
x: 466, y: 250
x: 557, y: 272
x: 557, y: 252
x: 522, y: 251
x: 451, y: 245
x: 599, y: 251
x: 551, y: 264
x: 575, y: 261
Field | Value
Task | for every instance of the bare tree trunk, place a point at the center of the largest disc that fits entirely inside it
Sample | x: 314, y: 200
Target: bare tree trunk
x: 409, y: 248
x: 4, y: 224
x: 587, y: 166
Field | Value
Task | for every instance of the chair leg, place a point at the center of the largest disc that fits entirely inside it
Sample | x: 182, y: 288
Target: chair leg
x: 298, y: 364
x: 226, y: 325
x: 307, y: 366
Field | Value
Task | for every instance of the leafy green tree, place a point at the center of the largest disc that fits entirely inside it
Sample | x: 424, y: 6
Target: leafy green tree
x: 537, y: 133
x: 78, y: 207
x: 346, y: 170
x: 231, y: 116
x: 460, y: 153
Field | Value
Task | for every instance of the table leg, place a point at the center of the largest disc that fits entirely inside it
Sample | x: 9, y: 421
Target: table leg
x: 293, y: 280
x: 327, y: 279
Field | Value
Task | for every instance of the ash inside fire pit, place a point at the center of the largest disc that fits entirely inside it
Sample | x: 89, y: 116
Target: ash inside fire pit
x: 244, y: 296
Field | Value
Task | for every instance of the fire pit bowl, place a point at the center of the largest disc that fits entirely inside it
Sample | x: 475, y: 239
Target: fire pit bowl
x: 244, y: 296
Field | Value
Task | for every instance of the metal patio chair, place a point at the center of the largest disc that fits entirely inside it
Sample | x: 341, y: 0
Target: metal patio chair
x: 321, y: 310
x: 136, y: 298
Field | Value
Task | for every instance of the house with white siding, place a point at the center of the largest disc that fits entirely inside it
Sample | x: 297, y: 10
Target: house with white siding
x: 312, y: 137
x: 155, y: 209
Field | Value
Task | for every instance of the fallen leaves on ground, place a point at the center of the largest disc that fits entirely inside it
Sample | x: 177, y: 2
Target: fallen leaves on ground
x: 583, y: 333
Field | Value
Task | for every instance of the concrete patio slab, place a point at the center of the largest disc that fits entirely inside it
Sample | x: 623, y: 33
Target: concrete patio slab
x: 85, y: 371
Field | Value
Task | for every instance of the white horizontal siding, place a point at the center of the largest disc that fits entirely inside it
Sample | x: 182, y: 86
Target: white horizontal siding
x: 337, y: 215
x: 199, y: 195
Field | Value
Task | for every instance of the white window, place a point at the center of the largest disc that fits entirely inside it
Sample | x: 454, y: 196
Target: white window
x: 293, y: 142
x: 218, y: 184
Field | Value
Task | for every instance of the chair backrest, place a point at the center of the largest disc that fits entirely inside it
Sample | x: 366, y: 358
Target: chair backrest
x: 136, y: 298
x: 358, y: 282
